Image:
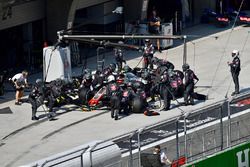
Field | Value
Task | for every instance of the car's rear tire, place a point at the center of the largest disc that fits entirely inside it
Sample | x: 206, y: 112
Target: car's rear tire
x: 137, y: 105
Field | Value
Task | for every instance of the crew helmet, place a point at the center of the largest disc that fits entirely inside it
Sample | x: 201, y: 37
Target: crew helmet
x: 112, y: 66
x: 39, y: 82
x: 235, y: 53
x: 126, y: 68
x: 111, y: 78
x: 88, y: 76
x: 185, y: 67
x: 129, y: 84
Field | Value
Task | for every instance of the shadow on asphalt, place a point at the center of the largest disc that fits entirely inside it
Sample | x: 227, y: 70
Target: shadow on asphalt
x: 35, y: 123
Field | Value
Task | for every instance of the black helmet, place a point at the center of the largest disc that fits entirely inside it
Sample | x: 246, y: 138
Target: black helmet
x: 126, y: 68
x: 129, y: 84
x: 164, y: 77
x: 112, y: 67
x: 137, y: 85
x: 86, y: 71
x: 88, y: 77
x: 39, y: 82
x: 145, y: 75
x: 170, y: 72
x: 185, y: 67
x: 155, y: 60
x: 98, y: 72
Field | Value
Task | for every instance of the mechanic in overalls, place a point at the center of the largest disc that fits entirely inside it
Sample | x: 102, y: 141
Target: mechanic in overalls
x: 114, y: 92
x: 189, y: 83
x: 148, y: 54
x: 36, y: 97
x: 127, y: 96
x: 163, y: 88
x: 119, y: 58
x: 235, y: 70
x: 86, y: 88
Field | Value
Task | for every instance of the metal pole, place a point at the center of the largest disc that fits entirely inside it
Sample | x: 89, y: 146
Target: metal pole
x: 131, y: 149
x: 221, y: 127
x: 176, y: 22
x: 185, y: 136
x: 221, y: 7
x: 139, y: 150
x: 177, y: 141
x: 184, y: 49
x: 229, y: 125
x: 139, y: 146
x: 90, y: 153
x: 71, y: 37
x: 130, y: 153
x: 99, y: 66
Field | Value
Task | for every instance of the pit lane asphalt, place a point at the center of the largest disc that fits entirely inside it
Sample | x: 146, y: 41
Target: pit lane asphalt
x: 30, y: 144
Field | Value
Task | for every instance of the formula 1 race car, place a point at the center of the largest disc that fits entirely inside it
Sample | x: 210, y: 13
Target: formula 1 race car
x: 210, y: 16
x: 243, y: 18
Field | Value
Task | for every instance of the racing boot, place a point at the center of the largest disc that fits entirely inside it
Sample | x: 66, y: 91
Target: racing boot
x: 165, y: 109
x: 34, y: 118
x: 234, y: 93
x: 191, y: 101
x: 116, y: 114
x: 112, y: 113
x: 51, y: 115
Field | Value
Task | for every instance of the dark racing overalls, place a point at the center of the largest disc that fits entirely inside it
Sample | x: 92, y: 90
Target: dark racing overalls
x: 119, y: 59
x: 189, y: 86
x: 235, y: 71
x: 148, y: 55
x: 114, y: 92
x: 163, y: 88
x: 36, y: 99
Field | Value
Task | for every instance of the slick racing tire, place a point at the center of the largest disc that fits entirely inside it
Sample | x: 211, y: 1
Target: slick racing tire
x: 84, y: 96
x: 137, y: 105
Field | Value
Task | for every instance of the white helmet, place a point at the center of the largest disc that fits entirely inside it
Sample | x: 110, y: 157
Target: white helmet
x: 111, y: 78
x: 235, y: 52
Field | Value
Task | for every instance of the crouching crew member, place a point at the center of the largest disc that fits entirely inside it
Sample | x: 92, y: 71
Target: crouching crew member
x: 190, y: 78
x: 20, y: 82
x: 127, y: 97
x: 114, y: 92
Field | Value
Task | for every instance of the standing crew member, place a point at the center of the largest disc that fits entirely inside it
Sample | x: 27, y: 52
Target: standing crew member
x: 189, y: 84
x: 114, y: 92
x: 148, y: 54
x: 36, y: 97
x: 119, y: 59
x: 235, y: 70
x: 154, y: 27
x: 162, y: 88
x: 165, y: 89
x: 20, y: 82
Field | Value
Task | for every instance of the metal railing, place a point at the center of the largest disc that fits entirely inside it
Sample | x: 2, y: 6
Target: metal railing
x: 77, y: 157
x: 194, y: 135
